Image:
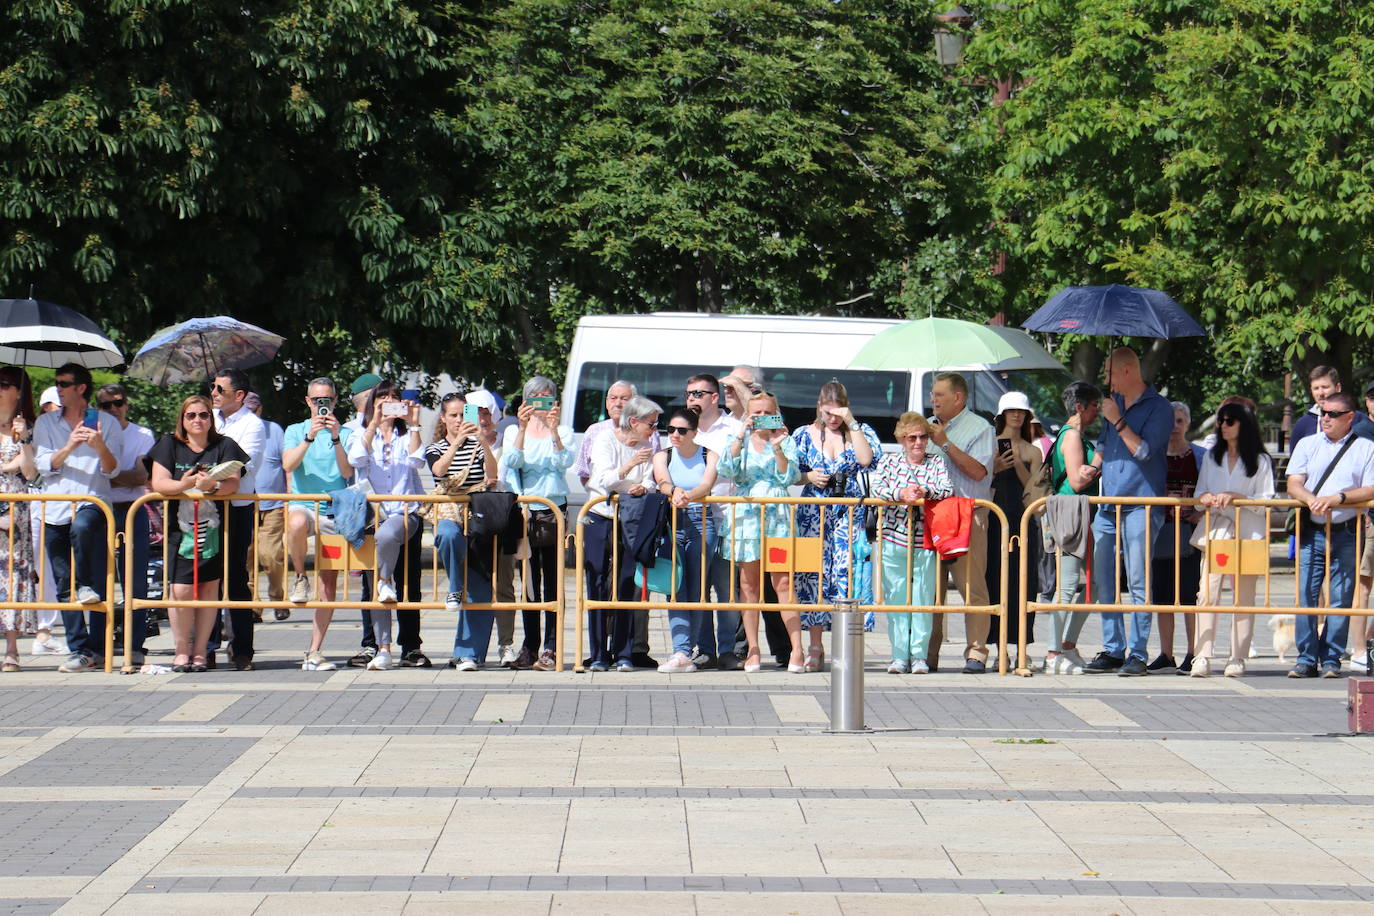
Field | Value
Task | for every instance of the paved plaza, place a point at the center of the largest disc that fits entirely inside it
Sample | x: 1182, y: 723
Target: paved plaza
x: 427, y: 790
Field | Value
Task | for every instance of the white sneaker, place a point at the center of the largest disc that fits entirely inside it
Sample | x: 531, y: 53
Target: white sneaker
x: 1065, y: 664
x: 898, y: 666
x: 76, y: 662
x: 508, y: 657
x: 466, y: 664
x: 386, y: 591
x: 454, y: 602
x: 300, y: 590
x: 1201, y: 668
x: 87, y: 595
x: 919, y: 666
x: 1234, y: 668
x: 315, y: 661
x: 49, y: 646
x: 1360, y: 661
x: 680, y: 663
x: 382, y: 660
x: 1048, y: 665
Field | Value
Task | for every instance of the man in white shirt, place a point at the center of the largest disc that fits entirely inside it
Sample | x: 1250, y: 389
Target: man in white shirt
x: 1326, y: 471
x: 272, y: 513
x: 235, y: 420
x: 968, y: 446
x: 715, y: 429
x: 125, y: 487
x: 79, y: 460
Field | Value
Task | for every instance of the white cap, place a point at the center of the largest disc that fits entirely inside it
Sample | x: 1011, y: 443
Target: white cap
x: 484, y: 398
x: 1013, y: 400
x: 49, y: 397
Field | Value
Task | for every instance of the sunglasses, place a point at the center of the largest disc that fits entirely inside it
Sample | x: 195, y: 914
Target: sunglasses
x: 680, y: 430
x: 917, y: 438
x: 195, y: 415
x: 1335, y: 414
x: 64, y: 384
x: 1227, y: 421
x: 699, y: 393
x: 117, y: 402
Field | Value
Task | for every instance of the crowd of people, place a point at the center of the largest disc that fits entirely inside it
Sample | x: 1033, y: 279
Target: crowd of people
x: 728, y: 440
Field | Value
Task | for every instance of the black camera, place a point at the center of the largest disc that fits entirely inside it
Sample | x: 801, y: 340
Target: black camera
x: 323, y: 407
x: 838, y: 481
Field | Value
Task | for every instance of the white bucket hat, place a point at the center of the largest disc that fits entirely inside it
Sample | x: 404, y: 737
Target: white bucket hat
x: 1014, y: 400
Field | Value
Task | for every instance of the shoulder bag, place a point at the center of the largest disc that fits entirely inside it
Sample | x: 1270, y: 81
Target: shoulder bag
x: 1290, y: 525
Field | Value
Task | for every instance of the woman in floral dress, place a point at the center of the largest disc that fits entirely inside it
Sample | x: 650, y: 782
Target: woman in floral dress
x: 17, y: 576
x: 762, y: 462
x: 833, y: 452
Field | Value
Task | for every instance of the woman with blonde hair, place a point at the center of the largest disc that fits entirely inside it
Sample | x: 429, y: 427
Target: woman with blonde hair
x: 762, y: 462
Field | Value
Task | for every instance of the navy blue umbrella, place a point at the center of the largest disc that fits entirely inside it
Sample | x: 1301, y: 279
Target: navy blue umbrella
x: 1116, y: 310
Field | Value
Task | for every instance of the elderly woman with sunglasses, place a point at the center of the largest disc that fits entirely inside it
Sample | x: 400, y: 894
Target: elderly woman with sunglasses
x: 911, y: 478
x: 685, y: 472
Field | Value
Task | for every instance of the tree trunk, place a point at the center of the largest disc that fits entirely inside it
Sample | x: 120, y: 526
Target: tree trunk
x: 711, y: 298
x: 1086, y: 363
x: 686, y: 288
x: 1152, y: 360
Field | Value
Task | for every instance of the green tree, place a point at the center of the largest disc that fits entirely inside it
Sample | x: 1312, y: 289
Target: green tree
x: 1217, y: 149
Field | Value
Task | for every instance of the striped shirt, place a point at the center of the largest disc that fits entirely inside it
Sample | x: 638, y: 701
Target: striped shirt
x: 462, y: 459
x: 893, y: 475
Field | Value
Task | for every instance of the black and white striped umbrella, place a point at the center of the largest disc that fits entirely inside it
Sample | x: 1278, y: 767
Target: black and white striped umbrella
x: 42, y: 334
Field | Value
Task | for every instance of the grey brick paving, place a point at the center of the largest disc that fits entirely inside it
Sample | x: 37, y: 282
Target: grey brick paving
x: 131, y: 762
x: 57, y: 838
x: 31, y: 906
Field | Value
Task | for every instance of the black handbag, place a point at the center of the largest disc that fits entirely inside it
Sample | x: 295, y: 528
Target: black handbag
x: 541, y: 528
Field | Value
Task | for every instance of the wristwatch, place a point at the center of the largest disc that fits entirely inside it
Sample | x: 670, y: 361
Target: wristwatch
x: 310, y: 440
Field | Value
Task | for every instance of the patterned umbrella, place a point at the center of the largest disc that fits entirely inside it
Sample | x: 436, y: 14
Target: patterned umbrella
x: 195, y: 350
x: 42, y: 334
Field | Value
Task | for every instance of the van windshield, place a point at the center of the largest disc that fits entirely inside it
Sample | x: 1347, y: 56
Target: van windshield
x: 876, y: 398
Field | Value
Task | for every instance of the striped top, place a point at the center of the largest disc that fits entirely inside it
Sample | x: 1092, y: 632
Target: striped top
x: 461, y: 459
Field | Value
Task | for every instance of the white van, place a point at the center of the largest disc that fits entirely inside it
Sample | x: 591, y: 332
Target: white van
x: 798, y: 354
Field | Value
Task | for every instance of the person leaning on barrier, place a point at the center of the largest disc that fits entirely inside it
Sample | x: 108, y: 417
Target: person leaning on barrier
x: 180, y: 463
x: 18, y: 571
x: 1136, y: 424
x: 762, y: 463
x: 235, y: 420
x: 686, y: 472
x: 536, y: 454
x: 125, y: 487
x: 1072, y: 453
x: 621, y: 463
x: 1340, y: 467
x: 908, y: 569
x: 388, y: 455
x: 456, y: 454
x: 968, y: 446
x: 315, y: 456
x: 833, y: 453
x: 715, y: 645
x: 77, y: 460
x: 1015, y: 485
x: 1236, y: 468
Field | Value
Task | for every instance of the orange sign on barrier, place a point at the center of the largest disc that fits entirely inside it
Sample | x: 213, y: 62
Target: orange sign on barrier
x: 802, y: 555
x: 1253, y: 559
x: 337, y: 553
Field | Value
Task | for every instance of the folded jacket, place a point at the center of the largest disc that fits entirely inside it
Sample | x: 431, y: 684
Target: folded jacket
x: 1068, y: 524
x: 949, y: 522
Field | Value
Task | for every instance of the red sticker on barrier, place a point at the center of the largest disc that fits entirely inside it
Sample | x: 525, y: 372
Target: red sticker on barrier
x: 1222, y: 558
x: 777, y: 555
x: 331, y: 551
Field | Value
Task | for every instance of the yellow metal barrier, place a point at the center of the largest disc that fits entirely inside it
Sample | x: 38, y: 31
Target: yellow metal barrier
x: 1174, y: 509
x: 434, y: 601
x: 111, y: 532
x: 759, y: 504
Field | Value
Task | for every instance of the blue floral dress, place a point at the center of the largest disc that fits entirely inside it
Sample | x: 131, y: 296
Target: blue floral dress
x: 755, y: 474
x: 835, y: 550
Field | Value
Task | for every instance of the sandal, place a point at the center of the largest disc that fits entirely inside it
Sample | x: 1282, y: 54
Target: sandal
x: 181, y: 664
x: 815, y: 659
x: 752, y: 664
x: 198, y: 663
x: 11, y: 664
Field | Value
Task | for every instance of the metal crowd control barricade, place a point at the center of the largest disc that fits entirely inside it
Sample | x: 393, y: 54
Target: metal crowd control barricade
x: 344, y: 561
x: 38, y: 502
x: 795, y: 556
x: 1232, y: 556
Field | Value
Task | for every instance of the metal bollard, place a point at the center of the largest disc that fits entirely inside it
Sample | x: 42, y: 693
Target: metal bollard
x: 847, y: 668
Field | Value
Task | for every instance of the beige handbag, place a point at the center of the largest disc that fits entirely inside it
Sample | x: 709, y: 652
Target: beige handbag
x: 448, y: 487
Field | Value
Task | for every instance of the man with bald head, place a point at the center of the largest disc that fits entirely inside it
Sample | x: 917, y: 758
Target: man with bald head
x: 1136, y: 424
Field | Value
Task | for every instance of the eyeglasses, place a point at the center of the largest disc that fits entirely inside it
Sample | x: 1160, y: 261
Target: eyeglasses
x: 117, y: 402
x: 64, y: 384
x: 680, y: 430
x: 916, y: 437
x: 1228, y: 421
x: 699, y: 393
x: 1335, y: 414
x: 195, y: 415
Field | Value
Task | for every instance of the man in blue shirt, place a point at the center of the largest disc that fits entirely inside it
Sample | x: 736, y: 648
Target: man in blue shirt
x: 1136, y: 423
x: 315, y: 454
x: 1326, y: 471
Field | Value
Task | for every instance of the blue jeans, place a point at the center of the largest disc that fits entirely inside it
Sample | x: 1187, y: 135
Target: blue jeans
x: 1325, y: 648
x: 472, y: 629
x: 1134, y: 537
x: 81, y: 542
x: 683, y: 624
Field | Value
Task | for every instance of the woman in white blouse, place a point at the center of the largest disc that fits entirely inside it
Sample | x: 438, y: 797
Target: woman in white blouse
x: 1237, y: 467
x: 621, y: 462
x: 389, y: 455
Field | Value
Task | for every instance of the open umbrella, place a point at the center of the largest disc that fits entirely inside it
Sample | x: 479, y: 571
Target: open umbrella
x: 195, y: 350
x: 948, y: 343
x: 1115, y: 310
x: 47, y: 335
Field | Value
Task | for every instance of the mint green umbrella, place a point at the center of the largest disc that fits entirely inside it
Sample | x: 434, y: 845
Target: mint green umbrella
x: 948, y: 343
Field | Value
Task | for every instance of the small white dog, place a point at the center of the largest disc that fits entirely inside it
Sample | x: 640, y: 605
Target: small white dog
x: 1281, y: 625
